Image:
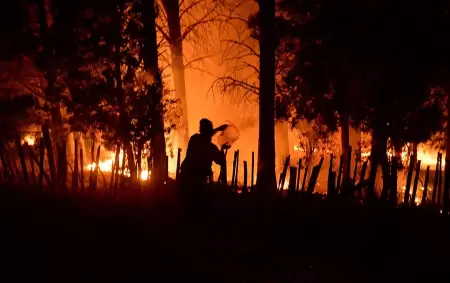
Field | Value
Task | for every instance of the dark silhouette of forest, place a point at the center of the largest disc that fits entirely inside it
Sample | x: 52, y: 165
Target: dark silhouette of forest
x: 82, y: 82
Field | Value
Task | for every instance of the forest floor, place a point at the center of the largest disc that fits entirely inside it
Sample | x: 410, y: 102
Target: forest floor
x: 152, y: 237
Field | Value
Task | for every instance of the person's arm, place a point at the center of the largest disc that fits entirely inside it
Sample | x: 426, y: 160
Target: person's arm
x: 218, y: 156
x: 220, y: 128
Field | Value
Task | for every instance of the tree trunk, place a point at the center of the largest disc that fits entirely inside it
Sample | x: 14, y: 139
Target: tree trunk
x: 266, y: 180
x: 51, y: 92
x: 172, y: 9
x: 149, y: 53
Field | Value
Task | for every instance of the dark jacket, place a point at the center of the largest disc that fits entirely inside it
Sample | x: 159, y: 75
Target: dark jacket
x: 200, y: 154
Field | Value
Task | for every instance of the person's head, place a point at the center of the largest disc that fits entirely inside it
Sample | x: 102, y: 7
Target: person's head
x: 206, y: 127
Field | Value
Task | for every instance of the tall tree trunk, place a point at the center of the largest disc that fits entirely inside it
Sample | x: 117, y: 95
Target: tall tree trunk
x: 266, y: 143
x: 175, y: 39
x: 345, y: 144
x: 149, y: 53
x: 51, y: 92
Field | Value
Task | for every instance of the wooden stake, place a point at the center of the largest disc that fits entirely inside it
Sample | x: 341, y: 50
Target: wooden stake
x: 42, y: 173
x: 297, y: 185
x: 284, y: 173
x: 314, y: 176
x: 355, y: 170
x: 50, y: 155
x: 436, y: 181
x: 253, y: 171
x: 349, y: 164
x: 114, y: 171
x: 416, y: 182
x: 233, y: 173
x: 236, y: 176
x: 408, y: 181
x: 245, y: 189
x: 425, y: 189
x: 304, y: 178
x: 440, y: 181
x: 331, y: 178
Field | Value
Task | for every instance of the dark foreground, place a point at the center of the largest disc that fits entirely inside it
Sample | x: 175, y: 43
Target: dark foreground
x: 150, y: 238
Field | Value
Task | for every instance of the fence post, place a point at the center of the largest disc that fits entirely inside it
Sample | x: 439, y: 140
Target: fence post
x: 416, y: 182
x: 245, y: 190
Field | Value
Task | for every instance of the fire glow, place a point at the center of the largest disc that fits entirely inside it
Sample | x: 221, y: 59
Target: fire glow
x: 107, y: 166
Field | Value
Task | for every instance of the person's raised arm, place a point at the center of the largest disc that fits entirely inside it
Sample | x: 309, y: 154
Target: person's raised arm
x: 218, y: 156
x: 220, y: 128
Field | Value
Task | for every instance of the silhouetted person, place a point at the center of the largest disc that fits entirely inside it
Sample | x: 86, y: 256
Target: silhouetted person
x: 200, y: 154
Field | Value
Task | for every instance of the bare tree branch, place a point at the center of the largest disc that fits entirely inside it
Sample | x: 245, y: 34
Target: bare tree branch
x: 188, y: 64
x: 188, y: 8
x: 164, y: 34
x: 249, y: 48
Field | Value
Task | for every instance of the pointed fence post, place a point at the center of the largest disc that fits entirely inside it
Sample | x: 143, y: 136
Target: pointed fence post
x: 331, y: 178
x: 297, y: 185
x: 245, y: 189
x: 408, y: 181
x: 236, y: 176
x: 50, y: 155
x: 436, y: 181
x: 304, y: 178
x: 416, y: 182
x: 314, y: 175
x: 253, y: 172
x: 284, y: 173
x: 233, y: 173
x: 355, y: 170
x: 425, y: 187
x: 439, y: 193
